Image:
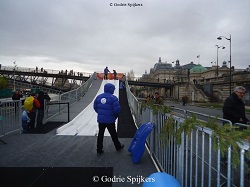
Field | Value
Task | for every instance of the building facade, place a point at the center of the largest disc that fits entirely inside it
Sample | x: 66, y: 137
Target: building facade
x: 200, y: 84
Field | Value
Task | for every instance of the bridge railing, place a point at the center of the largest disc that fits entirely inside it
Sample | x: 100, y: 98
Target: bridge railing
x: 10, y: 117
x: 68, y: 97
x: 193, y: 162
x: 50, y: 71
x: 133, y: 103
x: 21, y: 84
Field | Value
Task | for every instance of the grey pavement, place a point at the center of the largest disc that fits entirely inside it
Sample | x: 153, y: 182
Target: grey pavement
x: 205, y: 110
x: 191, y: 107
x: 51, y: 150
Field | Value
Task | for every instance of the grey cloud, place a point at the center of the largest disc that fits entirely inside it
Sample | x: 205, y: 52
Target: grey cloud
x: 91, y: 34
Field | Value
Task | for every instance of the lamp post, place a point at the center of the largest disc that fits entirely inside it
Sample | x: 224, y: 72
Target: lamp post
x: 217, y: 66
x: 178, y: 93
x: 230, y: 68
x: 164, y: 80
x: 14, y: 75
x: 171, y: 69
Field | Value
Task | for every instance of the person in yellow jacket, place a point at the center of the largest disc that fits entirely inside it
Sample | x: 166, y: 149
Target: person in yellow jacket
x: 32, y: 111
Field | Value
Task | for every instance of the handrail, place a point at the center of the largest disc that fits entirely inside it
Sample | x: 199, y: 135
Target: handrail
x: 190, y: 154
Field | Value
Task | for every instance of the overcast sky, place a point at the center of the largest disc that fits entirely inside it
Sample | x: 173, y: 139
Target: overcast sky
x: 87, y: 35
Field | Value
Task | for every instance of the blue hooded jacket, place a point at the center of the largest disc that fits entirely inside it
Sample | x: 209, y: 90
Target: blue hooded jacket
x: 107, y: 105
x: 106, y: 70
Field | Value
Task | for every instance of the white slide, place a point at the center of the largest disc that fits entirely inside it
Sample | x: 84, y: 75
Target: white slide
x: 85, y: 123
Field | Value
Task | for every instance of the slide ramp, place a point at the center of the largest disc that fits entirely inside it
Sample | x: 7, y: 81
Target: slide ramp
x: 85, y: 123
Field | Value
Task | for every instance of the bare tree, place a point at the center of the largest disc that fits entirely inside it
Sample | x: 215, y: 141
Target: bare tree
x: 131, y: 75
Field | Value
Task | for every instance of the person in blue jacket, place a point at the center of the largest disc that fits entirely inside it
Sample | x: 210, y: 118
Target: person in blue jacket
x: 106, y: 71
x: 25, y: 121
x: 107, y: 107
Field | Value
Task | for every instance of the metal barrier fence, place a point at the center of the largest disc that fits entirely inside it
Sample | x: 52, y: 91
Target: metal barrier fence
x: 11, y: 111
x: 133, y: 102
x: 194, y: 162
x: 10, y: 117
x: 69, y: 97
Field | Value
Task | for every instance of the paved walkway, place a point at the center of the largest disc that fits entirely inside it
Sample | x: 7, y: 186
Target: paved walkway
x: 50, y: 150
x: 205, y: 110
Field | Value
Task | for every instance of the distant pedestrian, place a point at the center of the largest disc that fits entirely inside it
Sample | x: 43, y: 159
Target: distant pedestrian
x: 31, y: 104
x: 152, y: 97
x: 148, y: 98
x: 158, y: 99
x: 115, y: 74
x: 16, y: 97
x: 107, y: 107
x: 47, y: 102
x: 106, y: 71
x: 41, y: 98
x: 123, y: 79
x: 184, y: 100
x: 25, y: 121
x: 194, y: 81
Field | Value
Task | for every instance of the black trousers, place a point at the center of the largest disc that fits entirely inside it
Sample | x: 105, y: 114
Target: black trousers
x: 112, y: 132
x: 32, y: 116
x: 39, y: 119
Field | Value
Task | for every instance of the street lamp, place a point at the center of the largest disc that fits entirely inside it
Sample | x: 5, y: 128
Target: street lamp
x: 217, y: 68
x: 14, y: 75
x: 170, y: 69
x: 215, y: 65
x: 230, y: 69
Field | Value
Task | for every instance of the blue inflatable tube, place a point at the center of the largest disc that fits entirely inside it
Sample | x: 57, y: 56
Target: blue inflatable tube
x: 137, y: 146
x: 160, y: 179
x: 136, y: 137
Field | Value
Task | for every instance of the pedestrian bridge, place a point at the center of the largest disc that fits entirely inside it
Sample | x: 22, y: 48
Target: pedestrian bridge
x: 55, y: 81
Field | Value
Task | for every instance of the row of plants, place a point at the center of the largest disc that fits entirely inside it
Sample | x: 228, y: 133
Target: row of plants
x: 3, y: 82
x: 222, y: 135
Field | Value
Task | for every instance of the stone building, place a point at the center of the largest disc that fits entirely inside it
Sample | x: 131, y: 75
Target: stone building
x: 200, y: 84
